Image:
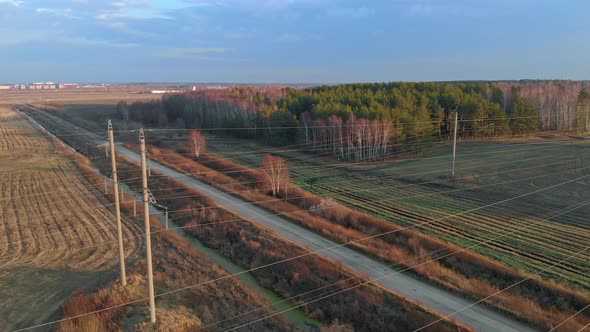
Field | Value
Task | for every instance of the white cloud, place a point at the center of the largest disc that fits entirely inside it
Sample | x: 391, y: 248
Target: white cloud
x: 144, y: 9
x: 10, y: 37
x: 66, y: 12
x: 125, y: 28
x: 451, y: 7
x: 83, y: 41
x: 15, y: 3
x: 197, y: 53
x: 259, y: 6
x: 131, y: 14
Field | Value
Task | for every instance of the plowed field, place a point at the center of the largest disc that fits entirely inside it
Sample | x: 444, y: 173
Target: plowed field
x: 56, y: 231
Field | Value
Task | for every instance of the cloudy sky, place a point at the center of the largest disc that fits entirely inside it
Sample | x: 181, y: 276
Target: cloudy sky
x: 292, y: 40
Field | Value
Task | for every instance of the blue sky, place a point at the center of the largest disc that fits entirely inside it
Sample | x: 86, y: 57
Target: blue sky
x: 320, y: 41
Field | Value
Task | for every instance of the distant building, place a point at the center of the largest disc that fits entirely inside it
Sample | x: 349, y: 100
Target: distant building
x: 69, y: 86
x: 216, y: 87
x: 5, y: 87
x: 165, y: 91
x: 42, y: 86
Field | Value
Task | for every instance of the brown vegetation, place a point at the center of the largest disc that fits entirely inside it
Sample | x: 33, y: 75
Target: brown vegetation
x: 55, y: 227
x: 81, y: 303
x: 249, y: 246
x: 177, y: 264
x: 540, y: 302
x: 465, y: 272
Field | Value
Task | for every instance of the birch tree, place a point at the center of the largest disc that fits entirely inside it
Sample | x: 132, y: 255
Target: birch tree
x: 197, y: 143
x: 276, y: 174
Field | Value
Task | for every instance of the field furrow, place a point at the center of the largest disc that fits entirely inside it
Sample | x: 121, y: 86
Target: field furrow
x: 55, y: 230
x: 420, y: 193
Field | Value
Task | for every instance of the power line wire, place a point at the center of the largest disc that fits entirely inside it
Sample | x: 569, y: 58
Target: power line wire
x: 555, y: 214
x: 318, y: 251
x: 504, y: 289
x: 569, y: 318
x: 305, y: 211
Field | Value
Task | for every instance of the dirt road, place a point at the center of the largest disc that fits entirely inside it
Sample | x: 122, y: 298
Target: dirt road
x: 55, y: 231
x: 437, y: 299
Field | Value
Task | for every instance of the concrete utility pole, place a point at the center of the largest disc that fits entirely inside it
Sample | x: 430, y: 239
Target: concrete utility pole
x: 148, y: 241
x: 455, y: 141
x: 117, y: 206
x: 149, y: 167
x: 166, y: 218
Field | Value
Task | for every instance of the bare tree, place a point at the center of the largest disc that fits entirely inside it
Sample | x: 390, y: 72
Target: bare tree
x: 197, y: 142
x: 277, y: 174
x: 123, y: 112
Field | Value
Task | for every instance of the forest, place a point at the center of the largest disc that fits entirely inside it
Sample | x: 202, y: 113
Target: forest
x: 372, y: 120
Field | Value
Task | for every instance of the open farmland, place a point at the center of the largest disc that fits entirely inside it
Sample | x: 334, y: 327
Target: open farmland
x: 76, y: 96
x: 178, y: 263
x: 421, y: 192
x: 306, y: 170
x: 54, y: 227
x: 416, y: 316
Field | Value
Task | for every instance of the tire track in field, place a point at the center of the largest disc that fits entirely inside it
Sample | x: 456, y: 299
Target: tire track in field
x: 450, y: 227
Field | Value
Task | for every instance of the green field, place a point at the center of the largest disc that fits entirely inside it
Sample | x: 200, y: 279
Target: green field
x: 420, y: 192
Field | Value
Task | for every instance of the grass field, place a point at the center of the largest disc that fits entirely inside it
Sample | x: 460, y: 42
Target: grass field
x: 177, y: 265
x: 421, y: 191
x: 76, y: 96
x: 49, y: 214
x: 273, y: 280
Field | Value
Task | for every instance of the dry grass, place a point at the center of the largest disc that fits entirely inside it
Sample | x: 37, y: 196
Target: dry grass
x: 177, y: 264
x: 471, y: 276
x: 54, y: 227
x: 75, y: 96
x: 250, y: 246
x: 80, y: 304
x: 179, y: 319
x: 541, y: 302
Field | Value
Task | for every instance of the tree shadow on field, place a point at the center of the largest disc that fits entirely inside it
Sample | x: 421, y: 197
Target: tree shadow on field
x: 31, y: 295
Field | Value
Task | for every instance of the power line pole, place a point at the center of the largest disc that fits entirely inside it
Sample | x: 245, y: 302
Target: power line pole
x: 455, y: 141
x: 149, y: 167
x: 146, y: 218
x: 117, y: 206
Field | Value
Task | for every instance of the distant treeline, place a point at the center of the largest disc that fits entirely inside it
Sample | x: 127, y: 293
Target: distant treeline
x: 367, y: 121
